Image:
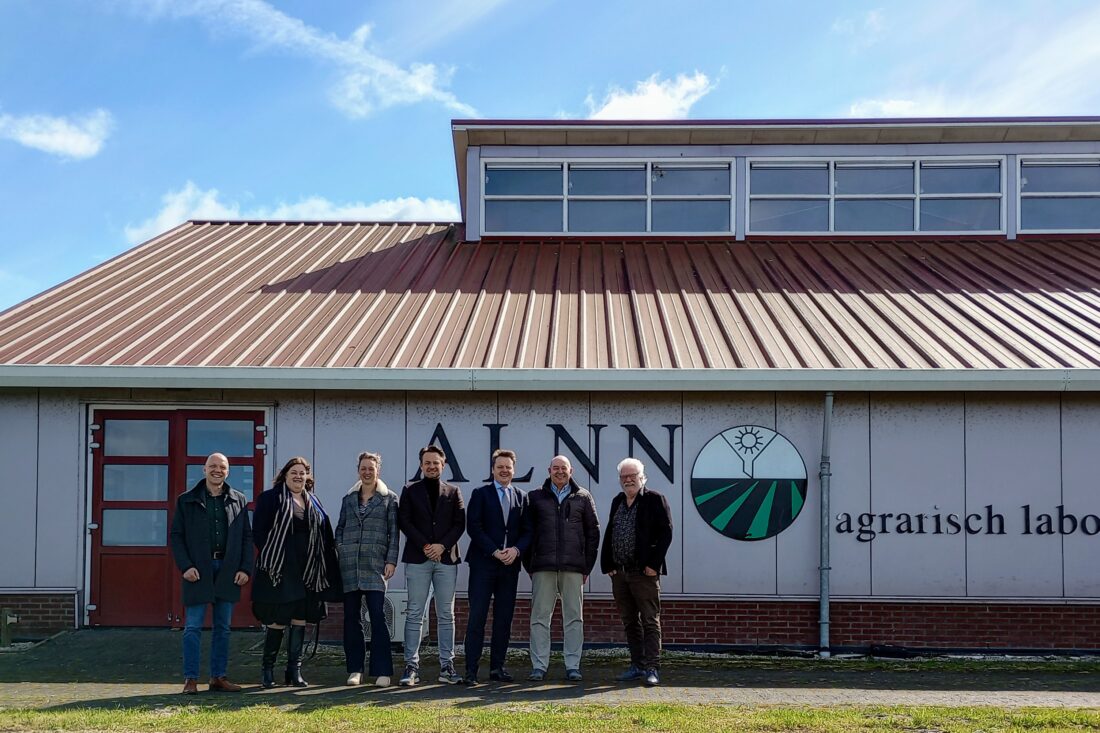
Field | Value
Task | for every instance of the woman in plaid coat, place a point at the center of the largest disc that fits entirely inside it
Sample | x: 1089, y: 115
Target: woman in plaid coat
x: 367, y: 540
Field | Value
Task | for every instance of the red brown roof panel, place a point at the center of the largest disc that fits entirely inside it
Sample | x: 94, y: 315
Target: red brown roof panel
x: 415, y: 295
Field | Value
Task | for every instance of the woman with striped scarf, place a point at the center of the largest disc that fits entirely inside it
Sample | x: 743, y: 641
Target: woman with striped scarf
x: 296, y: 570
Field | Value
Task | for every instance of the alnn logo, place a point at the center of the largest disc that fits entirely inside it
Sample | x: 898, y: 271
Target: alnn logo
x: 749, y: 483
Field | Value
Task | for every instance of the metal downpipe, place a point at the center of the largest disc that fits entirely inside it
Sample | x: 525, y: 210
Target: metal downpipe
x: 824, y: 475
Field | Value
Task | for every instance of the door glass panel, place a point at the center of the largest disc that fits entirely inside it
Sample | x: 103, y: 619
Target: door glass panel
x: 135, y: 527
x: 135, y: 437
x: 135, y: 483
x: 231, y: 437
x: 240, y: 478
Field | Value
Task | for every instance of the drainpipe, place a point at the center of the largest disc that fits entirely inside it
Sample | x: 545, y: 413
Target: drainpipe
x: 824, y: 475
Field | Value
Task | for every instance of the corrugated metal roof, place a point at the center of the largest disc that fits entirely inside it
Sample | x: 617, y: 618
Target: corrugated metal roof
x: 279, y: 294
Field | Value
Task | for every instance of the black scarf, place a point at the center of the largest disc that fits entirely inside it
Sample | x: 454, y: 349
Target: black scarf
x: 273, y: 553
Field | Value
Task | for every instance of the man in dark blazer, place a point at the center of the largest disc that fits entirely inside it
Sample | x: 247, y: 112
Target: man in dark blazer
x: 639, y: 532
x: 212, y: 546
x: 433, y: 518
x: 497, y: 522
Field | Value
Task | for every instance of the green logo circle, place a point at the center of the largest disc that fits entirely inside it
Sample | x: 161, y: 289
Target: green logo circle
x: 749, y: 483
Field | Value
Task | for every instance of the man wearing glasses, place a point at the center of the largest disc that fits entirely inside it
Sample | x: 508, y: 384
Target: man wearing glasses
x: 639, y: 532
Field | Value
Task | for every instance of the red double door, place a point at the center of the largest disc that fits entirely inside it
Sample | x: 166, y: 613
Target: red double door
x: 141, y: 462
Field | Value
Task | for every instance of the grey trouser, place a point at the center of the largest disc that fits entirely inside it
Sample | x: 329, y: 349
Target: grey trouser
x: 439, y: 579
x: 546, y: 587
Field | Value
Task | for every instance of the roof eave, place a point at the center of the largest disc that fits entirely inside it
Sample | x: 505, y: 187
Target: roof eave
x: 552, y: 380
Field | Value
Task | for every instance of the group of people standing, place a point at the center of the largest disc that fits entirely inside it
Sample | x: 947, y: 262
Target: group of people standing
x: 300, y: 563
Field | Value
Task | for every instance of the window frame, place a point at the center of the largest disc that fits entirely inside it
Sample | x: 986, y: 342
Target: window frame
x: 603, y: 162
x: 916, y: 197
x: 1021, y: 194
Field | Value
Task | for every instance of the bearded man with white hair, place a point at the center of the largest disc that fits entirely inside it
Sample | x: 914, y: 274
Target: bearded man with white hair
x: 639, y: 532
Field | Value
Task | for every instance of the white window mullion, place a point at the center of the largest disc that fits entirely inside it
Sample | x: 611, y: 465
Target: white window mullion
x: 917, y: 194
x: 565, y: 197
x: 832, y: 195
x: 649, y: 197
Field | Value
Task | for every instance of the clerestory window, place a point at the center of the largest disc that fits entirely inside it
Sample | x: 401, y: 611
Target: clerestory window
x: 1060, y: 194
x: 875, y: 196
x: 608, y: 197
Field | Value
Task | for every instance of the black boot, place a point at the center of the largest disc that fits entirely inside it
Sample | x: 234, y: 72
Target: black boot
x: 273, y: 639
x: 296, y: 636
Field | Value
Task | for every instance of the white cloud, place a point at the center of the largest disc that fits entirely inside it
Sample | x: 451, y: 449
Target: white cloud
x: 192, y: 202
x: 67, y: 137
x: 449, y: 19
x: 367, y: 82
x: 866, y: 28
x: 652, y: 99
x: 1052, y: 67
x: 919, y: 104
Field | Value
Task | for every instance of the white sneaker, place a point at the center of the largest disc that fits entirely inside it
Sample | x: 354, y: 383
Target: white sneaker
x: 355, y: 678
x: 382, y: 682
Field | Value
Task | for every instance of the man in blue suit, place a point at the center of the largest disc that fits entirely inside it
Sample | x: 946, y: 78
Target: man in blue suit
x: 497, y: 522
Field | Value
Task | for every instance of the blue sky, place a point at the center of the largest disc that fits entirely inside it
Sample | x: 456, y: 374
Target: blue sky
x: 122, y: 118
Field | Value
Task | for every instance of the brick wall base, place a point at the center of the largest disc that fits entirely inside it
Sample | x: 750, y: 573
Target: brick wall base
x: 40, y: 614
x: 856, y: 626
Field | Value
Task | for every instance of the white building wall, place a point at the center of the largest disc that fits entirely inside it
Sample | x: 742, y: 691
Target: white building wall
x: 933, y: 454
x: 917, y: 445
x: 59, y: 549
x: 1012, y: 460
x: 892, y: 454
x: 1080, y: 436
x: 18, y: 520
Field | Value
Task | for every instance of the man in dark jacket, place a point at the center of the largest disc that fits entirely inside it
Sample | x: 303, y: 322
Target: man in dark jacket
x: 496, y: 520
x: 565, y: 538
x: 212, y: 547
x: 433, y: 518
x: 639, y: 532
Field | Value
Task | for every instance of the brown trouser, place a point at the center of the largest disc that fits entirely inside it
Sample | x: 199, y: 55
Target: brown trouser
x: 638, y: 597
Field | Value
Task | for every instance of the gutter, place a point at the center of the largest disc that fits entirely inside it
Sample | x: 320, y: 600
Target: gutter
x: 552, y: 380
x: 825, y: 476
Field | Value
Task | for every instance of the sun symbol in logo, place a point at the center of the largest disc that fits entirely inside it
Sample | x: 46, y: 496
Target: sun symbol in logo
x: 748, y: 440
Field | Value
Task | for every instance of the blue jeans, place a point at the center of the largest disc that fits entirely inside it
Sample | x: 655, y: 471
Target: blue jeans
x: 441, y: 580
x: 194, y: 619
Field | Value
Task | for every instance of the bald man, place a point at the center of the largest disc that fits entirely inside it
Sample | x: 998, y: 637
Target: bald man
x: 212, y: 547
x: 565, y: 538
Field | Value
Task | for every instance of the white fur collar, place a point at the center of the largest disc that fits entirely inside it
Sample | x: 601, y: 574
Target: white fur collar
x: 381, y: 489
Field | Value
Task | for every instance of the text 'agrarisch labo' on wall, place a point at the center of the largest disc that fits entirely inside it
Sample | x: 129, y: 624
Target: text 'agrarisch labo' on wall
x: 868, y: 525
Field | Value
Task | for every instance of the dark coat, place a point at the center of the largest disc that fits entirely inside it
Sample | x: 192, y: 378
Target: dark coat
x: 191, y: 547
x: 487, y: 530
x: 422, y: 527
x: 566, y: 536
x: 292, y: 588
x: 653, y: 532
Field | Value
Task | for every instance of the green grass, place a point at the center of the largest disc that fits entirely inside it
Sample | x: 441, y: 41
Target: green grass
x: 551, y: 718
